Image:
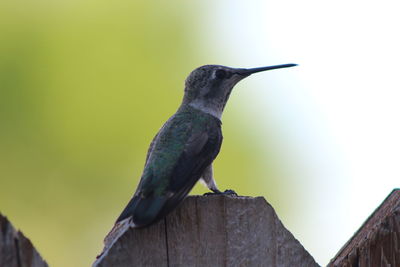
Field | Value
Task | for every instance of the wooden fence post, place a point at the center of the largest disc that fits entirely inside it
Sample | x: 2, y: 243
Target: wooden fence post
x: 224, y: 231
x: 377, y: 242
x: 208, y: 231
x: 15, y: 249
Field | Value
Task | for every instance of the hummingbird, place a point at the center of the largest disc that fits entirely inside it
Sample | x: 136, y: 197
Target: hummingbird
x: 183, y: 150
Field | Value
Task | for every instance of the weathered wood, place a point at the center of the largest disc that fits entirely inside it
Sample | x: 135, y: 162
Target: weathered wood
x: 15, y: 249
x: 208, y: 231
x: 377, y: 242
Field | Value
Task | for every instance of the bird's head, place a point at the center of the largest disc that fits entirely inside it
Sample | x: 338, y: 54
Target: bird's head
x: 208, y: 87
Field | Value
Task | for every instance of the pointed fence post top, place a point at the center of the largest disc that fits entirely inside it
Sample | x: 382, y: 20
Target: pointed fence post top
x: 377, y: 241
x: 15, y: 249
x: 208, y: 231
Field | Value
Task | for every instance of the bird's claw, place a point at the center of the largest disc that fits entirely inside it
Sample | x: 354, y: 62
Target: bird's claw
x: 230, y: 192
x: 227, y: 192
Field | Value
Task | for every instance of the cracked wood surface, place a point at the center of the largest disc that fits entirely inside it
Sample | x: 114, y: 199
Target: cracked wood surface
x: 15, y: 249
x: 208, y: 231
x: 377, y: 242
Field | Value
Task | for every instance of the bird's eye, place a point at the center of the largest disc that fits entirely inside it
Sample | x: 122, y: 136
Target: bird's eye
x: 220, y: 74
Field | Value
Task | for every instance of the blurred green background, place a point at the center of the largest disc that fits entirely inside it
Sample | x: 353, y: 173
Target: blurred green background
x: 84, y: 87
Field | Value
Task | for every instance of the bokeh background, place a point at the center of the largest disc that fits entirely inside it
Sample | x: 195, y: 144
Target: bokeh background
x: 85, y: 85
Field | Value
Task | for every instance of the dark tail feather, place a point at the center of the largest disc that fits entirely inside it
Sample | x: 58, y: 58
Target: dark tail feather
x: 144, y: 211
x: 128, y: 211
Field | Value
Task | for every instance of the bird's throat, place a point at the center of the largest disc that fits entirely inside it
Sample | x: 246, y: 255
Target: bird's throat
x: 211, y: 108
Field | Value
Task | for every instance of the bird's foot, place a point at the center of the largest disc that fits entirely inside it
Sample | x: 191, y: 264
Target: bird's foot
x: 227, y: 192
x: 230, y: 192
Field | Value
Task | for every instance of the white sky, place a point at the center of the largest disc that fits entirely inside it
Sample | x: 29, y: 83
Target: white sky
x: 339, y: 108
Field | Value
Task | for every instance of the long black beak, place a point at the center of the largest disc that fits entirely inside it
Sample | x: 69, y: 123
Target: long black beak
x: 247, y: 72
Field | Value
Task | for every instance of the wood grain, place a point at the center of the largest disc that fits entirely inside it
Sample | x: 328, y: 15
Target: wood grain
x: 209, y: 231
x: 377, y: 242
x: 15, y: 249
